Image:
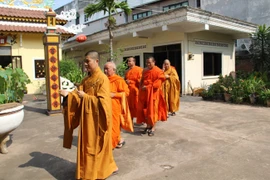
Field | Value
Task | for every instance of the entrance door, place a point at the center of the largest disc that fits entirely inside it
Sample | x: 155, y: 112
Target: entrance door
x: 15, y: 61
x: 171, y: 52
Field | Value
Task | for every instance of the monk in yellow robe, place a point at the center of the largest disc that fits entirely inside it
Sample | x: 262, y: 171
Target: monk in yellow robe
x: 151, y: 105
x: 90, y: 108
x: 133, y: 76
x: 119, y: 92
x: 171, y: 88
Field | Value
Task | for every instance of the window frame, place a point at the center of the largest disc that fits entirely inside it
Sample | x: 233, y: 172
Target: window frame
x: 174, y: 6
x: 34, y: 68
x: 85, y: 19
x: 221, y: 63
x: 142, y: 15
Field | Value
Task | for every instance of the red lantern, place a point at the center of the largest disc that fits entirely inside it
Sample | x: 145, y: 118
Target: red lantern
x: 81, y: 38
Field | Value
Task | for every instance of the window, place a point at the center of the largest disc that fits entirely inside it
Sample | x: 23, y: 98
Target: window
x: 141, y: 15
x: 85, y: 18
x: 39, y: 68
x: 173, y: 6
x: 15, y: 61
x: 212, y: 64
x: 198, y: 3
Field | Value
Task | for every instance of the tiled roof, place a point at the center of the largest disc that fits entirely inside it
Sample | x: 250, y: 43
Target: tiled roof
x: 30, y: 28
x: 16, y: 13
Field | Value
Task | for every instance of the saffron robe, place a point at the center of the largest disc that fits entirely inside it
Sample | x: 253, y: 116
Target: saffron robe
x: 93, y: 114
x: 171, y: 89
x: 133, y: 75
x: 119, y: 108
x: 151, y: 104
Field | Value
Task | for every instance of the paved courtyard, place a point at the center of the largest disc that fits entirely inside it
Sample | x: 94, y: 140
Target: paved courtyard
x: 205, y: 141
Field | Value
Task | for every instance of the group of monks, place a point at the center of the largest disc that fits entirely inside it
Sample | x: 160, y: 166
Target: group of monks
x: 104, y: 103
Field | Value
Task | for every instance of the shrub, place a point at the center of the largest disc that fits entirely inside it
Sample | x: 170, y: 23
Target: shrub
x: 12, y: 84
x: 70, y: 70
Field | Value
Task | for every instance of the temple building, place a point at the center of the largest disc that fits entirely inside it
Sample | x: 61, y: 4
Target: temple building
x: 21, y: 41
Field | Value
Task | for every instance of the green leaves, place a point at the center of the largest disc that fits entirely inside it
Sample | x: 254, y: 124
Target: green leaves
x: 70, y: 70
x: 12, y: 84
x: 260, y: 49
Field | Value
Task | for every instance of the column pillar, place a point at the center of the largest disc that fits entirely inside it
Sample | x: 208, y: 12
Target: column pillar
x: 51, y: 41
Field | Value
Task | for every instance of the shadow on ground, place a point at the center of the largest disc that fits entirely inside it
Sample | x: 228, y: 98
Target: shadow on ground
x: 35, y: 109
x: 59, y: 168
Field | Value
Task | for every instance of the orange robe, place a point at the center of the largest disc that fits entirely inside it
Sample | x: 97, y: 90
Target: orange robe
x: 151, y: 105
x: 120, y: 89
x: 171, y: 90
x: 93, y: 114
x: 133, y: 75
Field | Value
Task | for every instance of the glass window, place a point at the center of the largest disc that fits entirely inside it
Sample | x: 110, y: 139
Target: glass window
x: 185, y: 4
x: 212, y: 64
x: 85, y: 18
x: 166, y: 8
x: 39, y: 68
x: 142, y: 14
x: 135, y: 17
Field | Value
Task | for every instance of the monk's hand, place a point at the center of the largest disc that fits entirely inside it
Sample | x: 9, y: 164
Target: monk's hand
x: 144, y: 88
x: 112, y: 95
x: 127, y: 81
x: 167, y: 76
x: 81, y: 94
x: 63, y: 92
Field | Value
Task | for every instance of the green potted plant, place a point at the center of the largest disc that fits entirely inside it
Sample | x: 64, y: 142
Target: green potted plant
x: 253, y: 88
x: 226, y: 84
x: 12, y: 87
x: 265, y: 96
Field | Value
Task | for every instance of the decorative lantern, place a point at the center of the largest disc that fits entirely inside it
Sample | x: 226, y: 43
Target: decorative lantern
x: 81, y: 38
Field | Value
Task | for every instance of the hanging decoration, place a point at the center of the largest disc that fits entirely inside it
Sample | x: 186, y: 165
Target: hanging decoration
x: 81, y: 38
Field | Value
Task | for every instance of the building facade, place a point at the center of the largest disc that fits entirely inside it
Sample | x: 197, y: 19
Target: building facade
x: 200, y: 44
x: 21, y: 41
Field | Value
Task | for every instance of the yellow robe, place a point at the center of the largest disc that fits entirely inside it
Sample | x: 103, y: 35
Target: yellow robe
x: 171, y: 89
x: 94, y: 155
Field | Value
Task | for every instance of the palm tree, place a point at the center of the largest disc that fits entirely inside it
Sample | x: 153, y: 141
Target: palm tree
x: 110, y: 7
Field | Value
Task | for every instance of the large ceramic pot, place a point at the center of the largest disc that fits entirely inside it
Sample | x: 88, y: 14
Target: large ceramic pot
x: 11, y: 116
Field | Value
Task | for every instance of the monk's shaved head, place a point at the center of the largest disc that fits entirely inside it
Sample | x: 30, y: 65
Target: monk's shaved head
x: 110, y: 64
x: 109, y: 68
x: 167, y: 61
x: 166, y: 64
x: 92, y: 54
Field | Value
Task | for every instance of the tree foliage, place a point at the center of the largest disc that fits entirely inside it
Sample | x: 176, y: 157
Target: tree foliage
x: 260, y: 49
x: 111, y: 7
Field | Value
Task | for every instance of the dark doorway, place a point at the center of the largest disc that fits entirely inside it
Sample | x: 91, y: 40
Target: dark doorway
x: 15, y: 61
x: 171, y: 52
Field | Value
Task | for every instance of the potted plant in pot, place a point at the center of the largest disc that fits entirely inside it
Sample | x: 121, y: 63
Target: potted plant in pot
x: 12, y: 87
x: 265, y: 96
x: 226, y: 84
x: 227, y: 93
x: 253, y: 87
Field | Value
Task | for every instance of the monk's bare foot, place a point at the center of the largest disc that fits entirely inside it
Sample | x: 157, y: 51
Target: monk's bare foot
x: 121, y: 143
x: 115, y: 171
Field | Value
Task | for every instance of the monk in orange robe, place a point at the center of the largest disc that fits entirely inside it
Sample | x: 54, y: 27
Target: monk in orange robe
x: 90, y: 108
x: 171, y: 88
x: 119, y: 92
x: 133, y: 76
x: 151, y: 105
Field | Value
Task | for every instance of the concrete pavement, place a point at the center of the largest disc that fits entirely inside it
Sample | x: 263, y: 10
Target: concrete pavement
x: 205, y: 141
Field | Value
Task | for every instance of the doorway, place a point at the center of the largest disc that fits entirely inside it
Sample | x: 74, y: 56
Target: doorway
x: 15, y: 61
x: 171, y: 52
